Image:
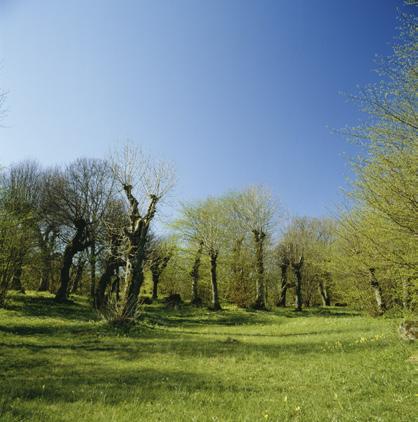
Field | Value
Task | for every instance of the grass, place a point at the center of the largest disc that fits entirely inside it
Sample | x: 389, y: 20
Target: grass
x: 61, y: 363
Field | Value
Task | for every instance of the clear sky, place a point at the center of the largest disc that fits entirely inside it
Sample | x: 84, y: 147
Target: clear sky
x: 233, y: 92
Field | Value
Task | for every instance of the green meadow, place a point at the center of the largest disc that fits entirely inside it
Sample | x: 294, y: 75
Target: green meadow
x: 65, y: 363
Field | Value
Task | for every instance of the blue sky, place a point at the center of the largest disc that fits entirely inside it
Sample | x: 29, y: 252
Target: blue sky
x: 232, y: 92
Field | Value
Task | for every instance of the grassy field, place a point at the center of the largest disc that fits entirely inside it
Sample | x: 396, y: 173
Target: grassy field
x: 62, y: 363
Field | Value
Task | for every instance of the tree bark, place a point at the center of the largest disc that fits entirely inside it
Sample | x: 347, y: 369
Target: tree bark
x: 213, y: 271
x: 374, y: 283
x: 260, y: 301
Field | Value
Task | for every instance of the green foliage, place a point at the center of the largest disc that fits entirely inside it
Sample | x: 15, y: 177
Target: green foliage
x: 381, y: 230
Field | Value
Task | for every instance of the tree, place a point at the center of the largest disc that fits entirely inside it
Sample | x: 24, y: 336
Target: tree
x: 254, y: 209
x: 383, y: 225
x: 145, y: 183
x: 307, y: 247
x: 77, y: 199
x: 160, y: 251
x: 22, y: 189
x: 203, y: 223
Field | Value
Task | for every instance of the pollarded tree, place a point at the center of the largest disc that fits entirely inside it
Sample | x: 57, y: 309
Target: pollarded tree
x: 307, y: 247
x: 77, y: 199
x: 145, y: 183
x: 293, y: 245
x: 254, y: 210
x: 204, y: 223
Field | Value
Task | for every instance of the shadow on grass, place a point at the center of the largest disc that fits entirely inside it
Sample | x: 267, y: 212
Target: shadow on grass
x: 106, y: 386
x: 45, y: 306
x: 328, y: 312
x: 169, y: 343
x: 190, y: 316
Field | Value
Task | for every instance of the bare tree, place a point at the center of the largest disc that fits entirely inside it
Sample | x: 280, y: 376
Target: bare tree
x: 145, y: 183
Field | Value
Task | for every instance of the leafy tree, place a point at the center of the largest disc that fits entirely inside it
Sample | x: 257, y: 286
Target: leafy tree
x: 381, y: 229
x: 204, y: 224
x: 254, y: 210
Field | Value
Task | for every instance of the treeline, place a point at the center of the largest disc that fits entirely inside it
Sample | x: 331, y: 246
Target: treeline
x: 86, y: 227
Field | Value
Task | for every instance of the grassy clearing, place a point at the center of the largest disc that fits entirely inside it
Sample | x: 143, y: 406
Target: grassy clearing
x: 60, y: 363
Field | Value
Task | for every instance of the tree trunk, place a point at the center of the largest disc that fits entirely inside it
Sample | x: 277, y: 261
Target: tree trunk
x: 93, y: 270
x: 17, y: 279
x: 215, y: 296
x: 78, y: 244
x: 406, y: 294
x: 298, y: 290
x: 104, y: 281
x: 196, y: 300
x: 78, y: 276
x: 116, y: 285
x: 260, y: 301
x: 135, y: 284
x: 45, y: 274
x: 283, y: 287
x: 324, y: 292
x: 297, y: 268
x: 46, y: 243
x: 155, y: 280
x: 381, y: 307
x: 62, y: 293
x: 137, y: 237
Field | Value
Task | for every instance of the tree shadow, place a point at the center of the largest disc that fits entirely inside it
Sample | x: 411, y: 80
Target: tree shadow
x: 45, y: 306
x: 325, y: 312
x: 190, y: 316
